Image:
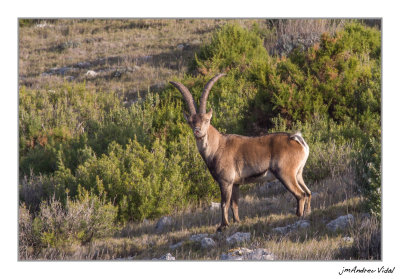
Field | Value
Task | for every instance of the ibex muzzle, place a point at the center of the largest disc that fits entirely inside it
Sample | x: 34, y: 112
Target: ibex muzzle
x: 233, y: 160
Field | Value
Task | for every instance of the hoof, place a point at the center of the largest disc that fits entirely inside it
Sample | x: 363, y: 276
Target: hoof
x: 222, y: 228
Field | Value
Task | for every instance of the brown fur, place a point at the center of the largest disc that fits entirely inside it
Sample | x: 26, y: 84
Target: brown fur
x: 233, y: 160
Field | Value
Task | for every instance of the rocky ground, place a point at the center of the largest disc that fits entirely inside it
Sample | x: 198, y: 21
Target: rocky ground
x: 269, y: 229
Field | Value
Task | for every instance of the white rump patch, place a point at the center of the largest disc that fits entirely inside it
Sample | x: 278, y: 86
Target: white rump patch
x: 299, y: 138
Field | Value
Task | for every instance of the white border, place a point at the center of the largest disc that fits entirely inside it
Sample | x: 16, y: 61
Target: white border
x: 249, y: 8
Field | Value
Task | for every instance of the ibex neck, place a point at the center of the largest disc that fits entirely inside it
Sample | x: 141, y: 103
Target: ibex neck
x: 208, y: 145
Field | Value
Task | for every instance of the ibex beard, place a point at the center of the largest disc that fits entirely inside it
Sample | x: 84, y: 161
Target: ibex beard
x: 233, y: 160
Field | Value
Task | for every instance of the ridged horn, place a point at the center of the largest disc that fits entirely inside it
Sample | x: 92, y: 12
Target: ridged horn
x: 187, y: 96
x: 206, y: 91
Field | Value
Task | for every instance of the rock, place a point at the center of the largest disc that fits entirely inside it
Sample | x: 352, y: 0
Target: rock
x: 198, y: 237
x: 62, y: 70
x: 175, y: 246
x: 340, y: 223
x: 82, y: 65
x: 236, y: 254
x: 238, y: 238
x: 240, y: 254
x: 162, y: 223
x: 117, y: 74
x: 215, y: 205
x: 207, y: 243
x: 41, y: 25
x: 302, y: 224
x: 348, y: 239
x: 145, y: 58
x: 261, y: 254
x: 91, y: 73
x: 180, y: 46
x: 166, y: 257
x: 59, y: 71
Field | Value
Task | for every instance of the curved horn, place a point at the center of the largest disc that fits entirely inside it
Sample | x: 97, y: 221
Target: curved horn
x: 186, y: 95
x: 206, y: 91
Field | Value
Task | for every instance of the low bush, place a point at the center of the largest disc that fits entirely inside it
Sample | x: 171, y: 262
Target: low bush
x: 27, y: 239
x: 340, y: 78
x: 367, y: 239
x: 59, y: 226
x: 369, y: 175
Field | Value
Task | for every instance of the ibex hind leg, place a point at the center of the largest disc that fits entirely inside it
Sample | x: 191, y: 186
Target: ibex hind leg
x: 303, y: 186
x: 291, y: 184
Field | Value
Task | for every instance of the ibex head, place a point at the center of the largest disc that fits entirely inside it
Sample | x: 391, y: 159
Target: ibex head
x: 199, y: 120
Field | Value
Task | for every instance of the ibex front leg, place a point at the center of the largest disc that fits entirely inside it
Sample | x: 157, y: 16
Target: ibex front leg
x: 235, y: 203
x: 226, y: 195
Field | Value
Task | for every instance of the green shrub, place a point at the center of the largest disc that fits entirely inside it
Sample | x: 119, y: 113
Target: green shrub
x: 232, y: 46
x: 143, y: 183
x: 339, y: 78
x: 50, y: 120
x: 369, y: 175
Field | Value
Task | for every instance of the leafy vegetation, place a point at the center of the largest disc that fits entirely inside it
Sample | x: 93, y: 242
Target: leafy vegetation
x: 89, y: 161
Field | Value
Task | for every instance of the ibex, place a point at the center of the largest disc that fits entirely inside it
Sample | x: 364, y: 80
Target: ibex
x: 233, y: 160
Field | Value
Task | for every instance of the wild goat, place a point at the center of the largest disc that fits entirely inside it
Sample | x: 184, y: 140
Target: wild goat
x: 233, y: 160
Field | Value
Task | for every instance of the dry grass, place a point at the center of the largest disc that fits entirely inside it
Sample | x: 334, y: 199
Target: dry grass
x: 130, y: 56
x: 262, y: 208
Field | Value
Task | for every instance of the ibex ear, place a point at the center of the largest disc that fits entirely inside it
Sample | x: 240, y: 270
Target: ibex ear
x: 209, y: 114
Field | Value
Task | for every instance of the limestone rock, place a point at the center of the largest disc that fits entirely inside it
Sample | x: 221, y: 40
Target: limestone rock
x: 240, y: 254
x: 166, y: 257
x: 207, y: 243
x: 238, y: 238
x: 348, y: 239
x: 175, y: 246
x: 198, y: 237
x: 302, y: 224
x: 91, y: 73
x: 162, y: 223
x: 215, y: 206
x: 180, y: 47
x: 340, y: 223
